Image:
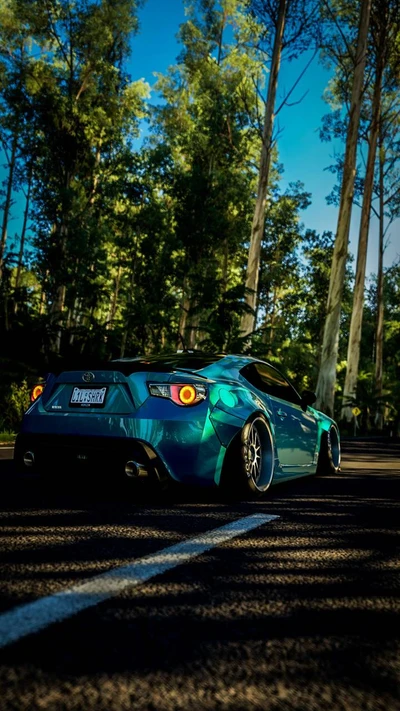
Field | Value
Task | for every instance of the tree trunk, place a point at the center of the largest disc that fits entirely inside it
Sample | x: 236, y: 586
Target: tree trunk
x: 73, y: 321
x: 129, y: 299
x: 43, y: 301
x: 257, y: 229
x: 57, y: 309
x: 225, y: 266
x: 7, y: 203
x: 23, y: 231
x: 272, y: 321
x: 330, y: 346
x: 353, y: 351
x: 114, y: 300
x: 185, y: 308
x: 123, y: 343
x: 58, y: 304
x: 193, y: 335
x: 380, y: 303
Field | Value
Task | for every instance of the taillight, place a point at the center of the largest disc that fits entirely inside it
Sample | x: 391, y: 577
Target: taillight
x: 184, y: 394
x: 36, y: 392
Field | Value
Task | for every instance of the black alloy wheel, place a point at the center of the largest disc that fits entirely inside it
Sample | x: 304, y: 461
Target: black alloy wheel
x: 249, y: 462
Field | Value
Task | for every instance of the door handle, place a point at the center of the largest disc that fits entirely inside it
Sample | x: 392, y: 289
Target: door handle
x: 281, y: 413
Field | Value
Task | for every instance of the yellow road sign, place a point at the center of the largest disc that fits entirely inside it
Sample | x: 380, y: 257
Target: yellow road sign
x: 356, y: 411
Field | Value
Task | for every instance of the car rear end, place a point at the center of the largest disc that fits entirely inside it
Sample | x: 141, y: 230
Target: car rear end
x: 131, y: 419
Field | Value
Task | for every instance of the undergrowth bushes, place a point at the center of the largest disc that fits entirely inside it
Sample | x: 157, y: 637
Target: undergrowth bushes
x: 16, y: 381
x: 14, y: 400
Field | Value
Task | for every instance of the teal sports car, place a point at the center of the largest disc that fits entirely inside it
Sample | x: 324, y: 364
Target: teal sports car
x: 229, y: 421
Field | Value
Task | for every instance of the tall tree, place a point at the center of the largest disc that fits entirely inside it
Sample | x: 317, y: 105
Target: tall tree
x: 385, y: 20
x: 14, y: 68
x: 289, y: 22
x: 84, y: 108
x: 206, y: 121
x: 327, y: 373
x: 388, y: 191
x: 257, y: 228
x: 380, y: 303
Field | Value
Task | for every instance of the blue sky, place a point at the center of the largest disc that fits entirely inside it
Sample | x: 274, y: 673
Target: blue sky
x: 303, y: 155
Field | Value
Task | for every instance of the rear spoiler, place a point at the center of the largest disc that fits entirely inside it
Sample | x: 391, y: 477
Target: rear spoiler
x: 124, y: 367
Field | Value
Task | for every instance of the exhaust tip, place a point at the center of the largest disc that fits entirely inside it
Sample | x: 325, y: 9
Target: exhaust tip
x: 133, y: 470
x: 29, y: 459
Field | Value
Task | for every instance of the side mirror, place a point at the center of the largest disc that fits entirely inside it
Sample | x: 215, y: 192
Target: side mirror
x: 307, y: 398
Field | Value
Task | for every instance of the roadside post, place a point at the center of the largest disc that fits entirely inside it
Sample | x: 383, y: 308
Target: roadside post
x: 356, y: 412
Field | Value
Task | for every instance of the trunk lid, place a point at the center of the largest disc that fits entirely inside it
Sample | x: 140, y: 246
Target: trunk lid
x: 100, y: 392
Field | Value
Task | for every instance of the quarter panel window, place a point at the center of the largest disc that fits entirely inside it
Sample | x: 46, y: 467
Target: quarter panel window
x: 270, y: 381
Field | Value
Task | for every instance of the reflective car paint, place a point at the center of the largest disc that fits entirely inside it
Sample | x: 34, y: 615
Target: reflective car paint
x: 190, y: 441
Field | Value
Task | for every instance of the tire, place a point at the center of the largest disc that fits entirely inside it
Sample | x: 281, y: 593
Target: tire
x: 249, y: 462
x: 329, y: 453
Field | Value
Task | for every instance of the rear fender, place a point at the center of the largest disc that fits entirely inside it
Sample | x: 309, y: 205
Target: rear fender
x: 231, y: 448
x: 231, y: 406
x: 324, y: 425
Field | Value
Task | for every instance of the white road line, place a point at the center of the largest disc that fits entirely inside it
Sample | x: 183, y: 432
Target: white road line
x: 27, y: 619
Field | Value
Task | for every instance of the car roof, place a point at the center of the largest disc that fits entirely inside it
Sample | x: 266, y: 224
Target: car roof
x: 210, y: 365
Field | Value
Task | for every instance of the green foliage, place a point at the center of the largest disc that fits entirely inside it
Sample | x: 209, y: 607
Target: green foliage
x: 132, y: 250
x: 14, y: 396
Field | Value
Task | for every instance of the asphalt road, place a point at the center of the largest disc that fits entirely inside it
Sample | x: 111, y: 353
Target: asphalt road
x: 302, y: 612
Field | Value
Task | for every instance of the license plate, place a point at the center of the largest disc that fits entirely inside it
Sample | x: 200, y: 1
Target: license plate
x: 88, y: 397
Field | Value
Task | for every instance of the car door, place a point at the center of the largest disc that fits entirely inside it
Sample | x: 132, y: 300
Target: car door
x: 295, y: 428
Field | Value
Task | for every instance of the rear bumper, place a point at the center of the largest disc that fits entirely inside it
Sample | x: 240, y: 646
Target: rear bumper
x: 184, y: 451
x: 76, y: 456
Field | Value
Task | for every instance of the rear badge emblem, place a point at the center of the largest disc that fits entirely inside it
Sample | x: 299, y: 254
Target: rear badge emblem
x: 88, y: 377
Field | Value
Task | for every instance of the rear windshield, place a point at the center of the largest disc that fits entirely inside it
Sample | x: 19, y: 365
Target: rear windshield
x: 186, y: 361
